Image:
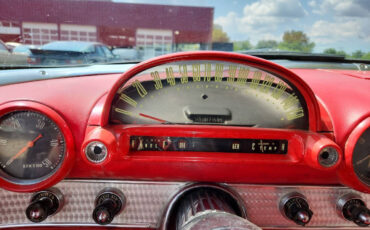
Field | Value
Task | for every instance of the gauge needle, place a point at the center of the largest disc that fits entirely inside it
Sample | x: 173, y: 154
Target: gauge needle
x: 362, y: 160
x: 153, y: 118
x: 24, y: 149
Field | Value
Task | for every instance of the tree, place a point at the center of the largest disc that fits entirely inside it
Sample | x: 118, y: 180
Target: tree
x: 296, y: 41
x: 366, y: 56
x: 242, y: 45
x: 358, y: 54
x: 335, y: 52
x: 330, y: 51
x: 262, y: 44
x: 218, y: 35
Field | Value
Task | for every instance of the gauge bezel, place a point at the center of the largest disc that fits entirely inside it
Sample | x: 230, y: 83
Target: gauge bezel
x: 302, y: 87
x: 20, y: 185
x: 347, y: 172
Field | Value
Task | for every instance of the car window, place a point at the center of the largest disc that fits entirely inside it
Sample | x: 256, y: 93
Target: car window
x: 99, y: 51
x: 90, y: 49
x: 107, y: 52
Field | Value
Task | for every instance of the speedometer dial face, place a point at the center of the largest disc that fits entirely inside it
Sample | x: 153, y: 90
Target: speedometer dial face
x: 361, y: 157
x: 209, y: 93
x: 32, y: 146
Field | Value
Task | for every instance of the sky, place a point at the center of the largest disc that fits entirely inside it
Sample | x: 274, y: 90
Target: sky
x: 340, y: 24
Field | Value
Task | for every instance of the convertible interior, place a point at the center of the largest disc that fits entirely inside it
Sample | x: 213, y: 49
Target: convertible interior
x: 191, y: 140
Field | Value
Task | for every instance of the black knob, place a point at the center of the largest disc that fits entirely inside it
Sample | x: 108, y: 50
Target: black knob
x: 352, y: 208
x: 44, y: 204
x: 295, y: 207
x: 108, y: 204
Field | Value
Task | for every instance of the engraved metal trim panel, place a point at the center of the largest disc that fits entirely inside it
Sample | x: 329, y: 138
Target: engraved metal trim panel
x: 146, y: 203
x: 144, y: 207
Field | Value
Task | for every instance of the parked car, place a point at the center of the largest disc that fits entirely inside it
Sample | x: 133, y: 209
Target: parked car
x: 12, y: 45
x: 9, y: 58
x: 24, y: 49
x: 127, y: 54
x: 71, y: 52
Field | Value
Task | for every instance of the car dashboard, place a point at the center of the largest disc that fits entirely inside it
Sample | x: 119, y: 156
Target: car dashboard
x: 192, y: 140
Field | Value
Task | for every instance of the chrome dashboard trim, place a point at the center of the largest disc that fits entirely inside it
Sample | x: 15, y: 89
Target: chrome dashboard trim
x: 191, y: 186
x: 147, y: 203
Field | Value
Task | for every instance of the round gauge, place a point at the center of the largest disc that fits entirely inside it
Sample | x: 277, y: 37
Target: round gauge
x: 210, y: 93
x: 32, y: 146
x: 361, y: 157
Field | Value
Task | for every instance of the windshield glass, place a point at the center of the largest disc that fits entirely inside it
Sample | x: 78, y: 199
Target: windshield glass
x: 75, y: 32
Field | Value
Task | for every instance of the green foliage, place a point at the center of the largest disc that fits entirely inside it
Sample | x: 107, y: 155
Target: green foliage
x: 296, y: 41
x: 335, y: 52
x: 272, y: 44
x: 330, y: 51
x: 366, y: 56
x: 358, y: 54
x: 242, y: 45
x: 341, y: 52
x: 218, y: 35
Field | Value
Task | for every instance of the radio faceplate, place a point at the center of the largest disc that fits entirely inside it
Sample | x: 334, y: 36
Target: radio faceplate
x: 225, y: 145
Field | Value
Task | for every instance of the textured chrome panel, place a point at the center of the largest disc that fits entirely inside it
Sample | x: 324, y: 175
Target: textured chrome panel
x: 144, y: 207
x: 146, y: 202
x: 262, y: 204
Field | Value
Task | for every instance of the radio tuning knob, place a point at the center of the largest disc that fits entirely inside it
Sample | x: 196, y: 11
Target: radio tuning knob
x: 294, y: 206
x: 44, y: 204
x: 108, y: 204
x: 353, y: 208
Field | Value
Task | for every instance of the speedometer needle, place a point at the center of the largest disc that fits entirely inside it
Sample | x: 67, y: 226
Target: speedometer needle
x: 362, y: 160
x: 24, y: 149
x: 153, y: 118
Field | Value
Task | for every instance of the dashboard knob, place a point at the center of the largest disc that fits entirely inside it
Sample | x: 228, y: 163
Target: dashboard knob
x: 353, y: 208
x: 44, y: 204
x: 294, y: 206
x: 108, y: 204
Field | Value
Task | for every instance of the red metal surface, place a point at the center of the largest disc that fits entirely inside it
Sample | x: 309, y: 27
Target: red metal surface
x: 69, y: 157
x: 346, y: 98
x: 85, y: 100
x: 215, y: 167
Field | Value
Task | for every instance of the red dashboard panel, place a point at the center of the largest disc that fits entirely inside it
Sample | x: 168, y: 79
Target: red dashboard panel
x: 85, y: 105
x: 151, y: 164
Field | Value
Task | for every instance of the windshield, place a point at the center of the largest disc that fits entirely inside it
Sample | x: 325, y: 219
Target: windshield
x: 75, y: 32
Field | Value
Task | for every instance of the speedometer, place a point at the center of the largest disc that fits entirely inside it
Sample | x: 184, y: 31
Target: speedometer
x: 208, y: 92
x: 361, y: 157
x: 32, y: 146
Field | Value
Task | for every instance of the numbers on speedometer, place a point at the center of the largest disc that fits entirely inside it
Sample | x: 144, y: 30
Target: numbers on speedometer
x: 31, y: 145
x: 209, y: 92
